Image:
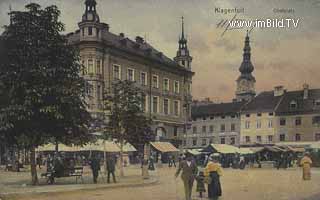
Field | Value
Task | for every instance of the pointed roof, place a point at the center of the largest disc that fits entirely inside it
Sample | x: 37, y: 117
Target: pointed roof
x: 182, y: 38
x: 246, y: 67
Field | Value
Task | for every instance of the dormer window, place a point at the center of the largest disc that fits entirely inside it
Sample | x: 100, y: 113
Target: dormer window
x: 293, y: 105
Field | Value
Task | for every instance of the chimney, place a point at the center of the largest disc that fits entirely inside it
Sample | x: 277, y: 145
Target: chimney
x: 278, y: 91
x: 121, y: 35
x: 139, y: 40
x: 305, y: 91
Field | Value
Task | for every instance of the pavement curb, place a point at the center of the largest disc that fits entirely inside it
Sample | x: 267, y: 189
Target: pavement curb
x: 148, y: 182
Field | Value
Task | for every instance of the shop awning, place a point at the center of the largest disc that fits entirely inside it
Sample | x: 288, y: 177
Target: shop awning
x: 194, y: 152
x: 164, y: 147
x: 256, y: 149
x: 107, y: 146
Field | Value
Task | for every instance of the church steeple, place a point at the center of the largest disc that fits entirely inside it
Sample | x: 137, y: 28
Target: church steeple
x: 246, y: 81
x: 183, y: 57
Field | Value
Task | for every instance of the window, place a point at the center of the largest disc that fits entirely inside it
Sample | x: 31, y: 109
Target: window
x: 247, y: 125
x: 194, y: 130
x: 270, y: 123
x: 99, y: 92
x: 90, y: 30
x: 223, y: 117
x: 204, y: 142
x: 293, y: 104
x: 82, y: 30
x: 98, y: 64
x: 258, y: 124
x: 90, y: 66
x: 259, y: 139
x: 84, y: 68
x: 176, y: 108
x: 282, y: 137
x: 166, y: 84
x: 232, y: 140
x: 183, y: 62
x: 271, y: 114
x: 176, y: 87
x: 210, y: 141
x: 233, y: 116
x: 194, y: 142
x: 282, y: 122
x: 233, y: 127
x: 298, y: 137
x: 211, y: 128
x: 130, y: 74
x: 222, y: 140
x: 317, y: 102
x: 298, y: 121
x: 98, y: 32
x: 175, y: 131
x: 222, y: 128
x: 204, y: 118
x: 155, y: 81
x: 143, y: 102
x: 270, y: 138
x: 143, y: 78
x: 184, y: 143
x: 259, y: 114
x: 155, y: 104
x: 166, y: 106
x: 204, y: 129
x: 316, y: 120
x: 247, y: 139
x: 317, y: 137
x: 247, y: 115
x: 116, y: 72
x: 211, y: 117
x: 89, y: 89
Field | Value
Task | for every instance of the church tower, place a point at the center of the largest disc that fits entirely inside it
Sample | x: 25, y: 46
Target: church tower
x: 246, y: 81
x: 183, y: 57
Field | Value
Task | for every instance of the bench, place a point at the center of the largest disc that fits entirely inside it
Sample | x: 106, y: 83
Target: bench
x: 74, y: 172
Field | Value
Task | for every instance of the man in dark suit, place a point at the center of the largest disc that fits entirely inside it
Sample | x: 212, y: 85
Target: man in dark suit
x: 111, y: 167
x: 189, y: 171
x: 95, y: 167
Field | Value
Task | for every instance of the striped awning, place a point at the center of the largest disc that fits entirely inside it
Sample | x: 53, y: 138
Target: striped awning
x: 164, y: 147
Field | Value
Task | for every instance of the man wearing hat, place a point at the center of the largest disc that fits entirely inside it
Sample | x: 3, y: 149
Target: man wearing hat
x: 189, y: 172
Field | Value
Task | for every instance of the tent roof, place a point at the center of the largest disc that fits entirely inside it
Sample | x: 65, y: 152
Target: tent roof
x: 164, y: 147
x: 61, y: 147
x: 245, y: 151
x: 222, y: 148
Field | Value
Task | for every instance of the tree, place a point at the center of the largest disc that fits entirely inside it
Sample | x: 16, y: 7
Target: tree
x: 42, y: 90
x: 127, y: 121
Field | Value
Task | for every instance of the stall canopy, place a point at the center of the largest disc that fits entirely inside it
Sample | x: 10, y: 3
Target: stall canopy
x: 99, y: 145
x: 164, y: 147
x: 194, y: 152
x: 221, y: 148
x: 61, y: 147
x: 245, y: 151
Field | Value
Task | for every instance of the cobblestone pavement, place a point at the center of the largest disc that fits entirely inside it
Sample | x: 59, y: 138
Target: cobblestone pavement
x: 249, y: 184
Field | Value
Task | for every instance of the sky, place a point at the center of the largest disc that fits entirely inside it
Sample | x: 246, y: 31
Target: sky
x: 281, y: 56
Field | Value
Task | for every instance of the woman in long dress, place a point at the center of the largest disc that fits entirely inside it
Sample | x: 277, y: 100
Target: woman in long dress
x: 214, y: 171
x: 306, y: 166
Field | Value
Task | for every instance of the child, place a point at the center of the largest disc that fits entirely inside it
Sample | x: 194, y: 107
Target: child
x: 200, y: 183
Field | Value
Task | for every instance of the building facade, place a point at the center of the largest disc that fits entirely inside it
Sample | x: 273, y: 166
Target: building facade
x: 299, y: 116
x: 107, y: 57
x: 281, y: 116
x: 214, y: 123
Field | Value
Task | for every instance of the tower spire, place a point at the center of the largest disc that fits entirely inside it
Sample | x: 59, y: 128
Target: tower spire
x: 182, y: 27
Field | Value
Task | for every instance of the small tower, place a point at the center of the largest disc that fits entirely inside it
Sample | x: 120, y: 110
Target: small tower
x: 183, y: 57
x: 246, y: 81
x: 90, y: 27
